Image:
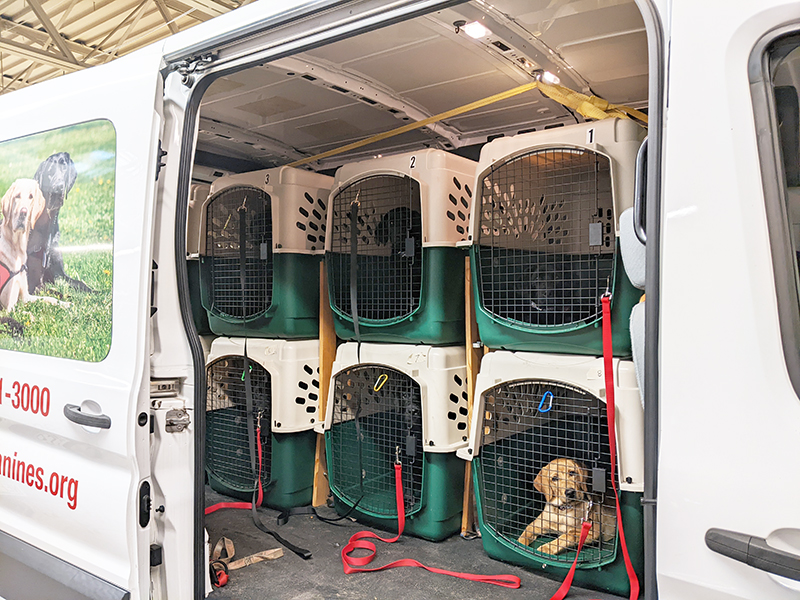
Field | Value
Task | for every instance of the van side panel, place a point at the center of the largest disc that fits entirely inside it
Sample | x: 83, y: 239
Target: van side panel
x: 67, y: 489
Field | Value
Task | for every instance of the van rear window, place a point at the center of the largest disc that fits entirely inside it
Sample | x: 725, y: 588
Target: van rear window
x: 56, y: 241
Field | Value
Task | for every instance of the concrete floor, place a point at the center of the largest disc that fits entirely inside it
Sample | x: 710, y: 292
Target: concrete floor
x: 321, y: 577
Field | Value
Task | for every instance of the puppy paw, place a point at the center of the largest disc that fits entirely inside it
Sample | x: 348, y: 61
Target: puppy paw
x: 552, y: 548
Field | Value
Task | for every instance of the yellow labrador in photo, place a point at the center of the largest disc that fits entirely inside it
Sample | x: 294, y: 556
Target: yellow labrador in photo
x: 564, y: 485
x: 22, y: 205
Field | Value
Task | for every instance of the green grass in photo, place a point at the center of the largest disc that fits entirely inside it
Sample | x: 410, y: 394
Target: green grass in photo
x: 81, y: 331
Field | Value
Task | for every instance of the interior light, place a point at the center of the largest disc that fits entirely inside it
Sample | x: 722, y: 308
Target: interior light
x: 476, y: 30
x: 548, y: 77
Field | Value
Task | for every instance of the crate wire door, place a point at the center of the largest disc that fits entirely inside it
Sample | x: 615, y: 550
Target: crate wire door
x: 389, y: 255
x: 377, y: 418
x: 223, y: 240
x: 546, y: 238
x: 519, y: 436
x: 227, y: 444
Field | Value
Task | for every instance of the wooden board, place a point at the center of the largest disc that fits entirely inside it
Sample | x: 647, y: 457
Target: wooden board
x: 327, y: 354
x: 474, y: 355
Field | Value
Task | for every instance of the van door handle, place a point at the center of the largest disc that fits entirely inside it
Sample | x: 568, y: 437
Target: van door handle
x: 754, y: 551
x: 74, y: 414
x: 640, y: 193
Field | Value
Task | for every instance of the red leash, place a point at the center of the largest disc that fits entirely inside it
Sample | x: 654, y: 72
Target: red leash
x: 243, y: 505
x: 608, y: 368
x: 353, y: 564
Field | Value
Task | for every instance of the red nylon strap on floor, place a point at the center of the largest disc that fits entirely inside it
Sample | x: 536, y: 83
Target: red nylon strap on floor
x: 243, y: 505
x: 353, y: 564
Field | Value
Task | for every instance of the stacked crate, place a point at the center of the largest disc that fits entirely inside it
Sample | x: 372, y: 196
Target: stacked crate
x: 544, y: 250
x: 260, y: 239
x: 394, y: 225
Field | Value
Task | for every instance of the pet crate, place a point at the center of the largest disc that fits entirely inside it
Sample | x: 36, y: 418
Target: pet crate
x: 284, y: 379
x: 412, y: 210
x: 261, y: 235
x: 398, y: 401
x: 544, y: 232
x: 531, y: 409
x: 198, y: 192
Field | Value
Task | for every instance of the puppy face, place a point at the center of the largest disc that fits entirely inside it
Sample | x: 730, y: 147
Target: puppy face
x: 22, y: 205
x: 56, y: 176
x: 562, y: 481
x: 396, y: 226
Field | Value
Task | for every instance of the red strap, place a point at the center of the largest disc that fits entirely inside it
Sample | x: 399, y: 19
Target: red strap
x: 608, y: 368
x: 567, y: 583
x: 221, y: 505
x: 244, y: 505
x: 353, y: 564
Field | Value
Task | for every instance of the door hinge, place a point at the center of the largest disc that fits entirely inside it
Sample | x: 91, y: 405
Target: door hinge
x: 187, y: 68
x: 177, y: 420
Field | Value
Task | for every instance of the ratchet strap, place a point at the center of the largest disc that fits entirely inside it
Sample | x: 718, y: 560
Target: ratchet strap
x: 591, y: 107
x: 358, y: 541
x: 608, y: 369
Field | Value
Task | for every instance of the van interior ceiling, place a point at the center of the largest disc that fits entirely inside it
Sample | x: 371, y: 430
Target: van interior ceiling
x: 328, y: 97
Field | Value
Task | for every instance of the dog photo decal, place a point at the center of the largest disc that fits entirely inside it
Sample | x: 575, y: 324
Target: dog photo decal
x: 56, y: 235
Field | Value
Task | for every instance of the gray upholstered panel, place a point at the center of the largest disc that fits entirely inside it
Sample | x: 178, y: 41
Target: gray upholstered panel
x: 633, y: 251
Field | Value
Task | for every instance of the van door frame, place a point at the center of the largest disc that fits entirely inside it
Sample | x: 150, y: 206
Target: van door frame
x: 335, y: 21
x: 656, y: 106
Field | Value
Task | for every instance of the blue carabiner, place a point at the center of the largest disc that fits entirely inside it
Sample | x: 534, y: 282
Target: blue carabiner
x: 549, y: 405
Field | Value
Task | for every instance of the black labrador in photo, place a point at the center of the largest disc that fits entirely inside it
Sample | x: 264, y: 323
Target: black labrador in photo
x: 55, y: 176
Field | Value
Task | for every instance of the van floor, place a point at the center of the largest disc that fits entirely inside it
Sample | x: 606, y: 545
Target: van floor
x: 321, y: 577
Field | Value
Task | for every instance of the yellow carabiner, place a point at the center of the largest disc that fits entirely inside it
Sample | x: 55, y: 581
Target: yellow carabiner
x: 380, y: 382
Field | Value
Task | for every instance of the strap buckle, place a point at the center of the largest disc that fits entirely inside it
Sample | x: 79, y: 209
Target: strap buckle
x: 589, y: 506
x: 397, y: 455
x: 607, y: 293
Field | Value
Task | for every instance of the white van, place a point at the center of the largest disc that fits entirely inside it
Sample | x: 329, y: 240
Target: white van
x: 103, y: 367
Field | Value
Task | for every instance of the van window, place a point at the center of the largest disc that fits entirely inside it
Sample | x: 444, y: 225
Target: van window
x: 56, y: 234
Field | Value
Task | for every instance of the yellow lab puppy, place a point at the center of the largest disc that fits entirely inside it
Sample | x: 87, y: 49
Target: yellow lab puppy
x: 563, y: 483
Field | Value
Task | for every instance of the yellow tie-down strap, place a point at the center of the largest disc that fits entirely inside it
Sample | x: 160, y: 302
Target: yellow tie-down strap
x: 590, y: 107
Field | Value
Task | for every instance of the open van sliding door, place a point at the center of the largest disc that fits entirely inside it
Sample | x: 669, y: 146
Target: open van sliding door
x: 74, y: 417
x: 728, y: 524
